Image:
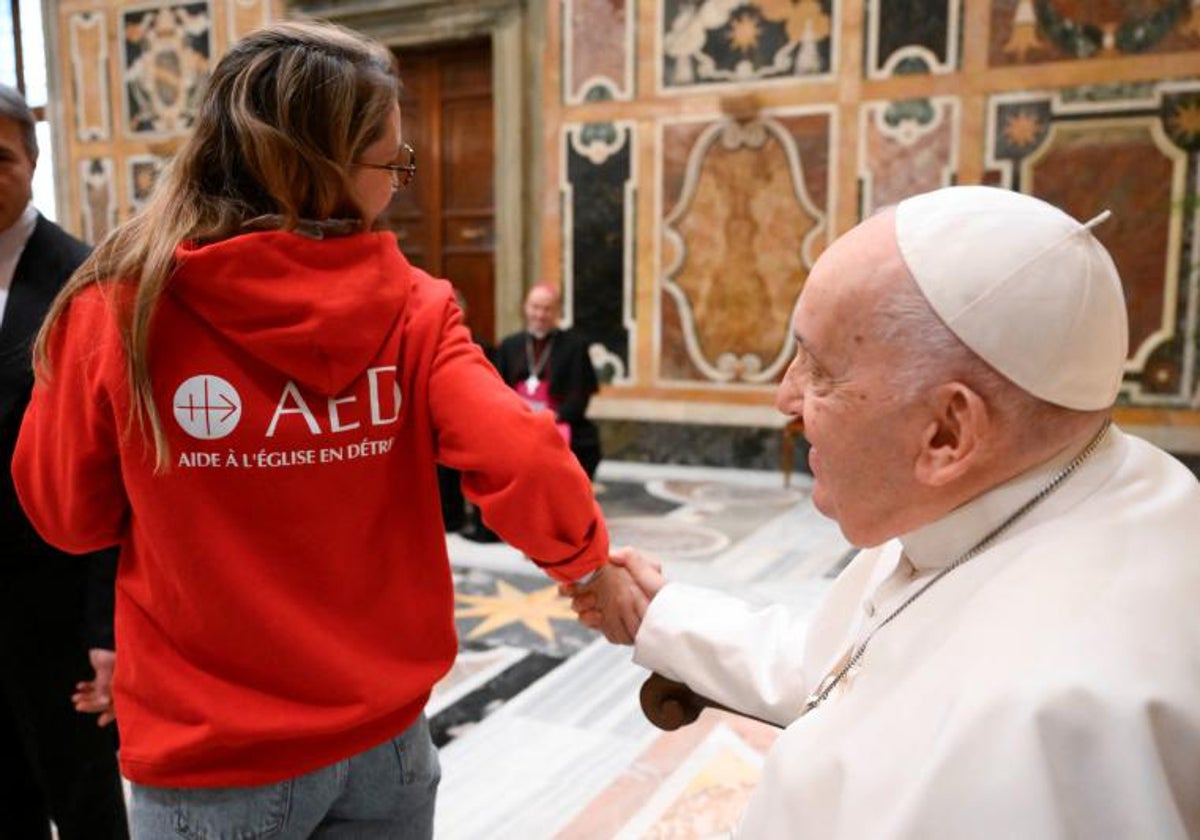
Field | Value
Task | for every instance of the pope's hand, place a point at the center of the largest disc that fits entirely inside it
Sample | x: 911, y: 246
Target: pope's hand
x: 616, y: 600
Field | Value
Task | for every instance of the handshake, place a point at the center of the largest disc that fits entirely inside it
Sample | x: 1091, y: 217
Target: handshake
x: 616, y: 599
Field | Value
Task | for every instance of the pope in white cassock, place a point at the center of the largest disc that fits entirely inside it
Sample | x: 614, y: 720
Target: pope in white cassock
x: 1016, y: 652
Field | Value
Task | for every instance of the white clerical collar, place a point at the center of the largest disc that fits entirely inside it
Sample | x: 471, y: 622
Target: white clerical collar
x: 944, y: 540
x: 12, y: 243
x: 13, y: 239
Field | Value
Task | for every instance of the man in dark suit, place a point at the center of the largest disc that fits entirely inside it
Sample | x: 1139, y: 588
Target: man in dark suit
x: 550, y: 369
x: 56, y: 637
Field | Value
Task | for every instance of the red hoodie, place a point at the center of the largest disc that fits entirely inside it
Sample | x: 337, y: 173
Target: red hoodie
x: 284, y: 598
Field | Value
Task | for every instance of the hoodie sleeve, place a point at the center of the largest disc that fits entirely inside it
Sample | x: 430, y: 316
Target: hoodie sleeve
x: 67, y: 467
x: 515, y: 465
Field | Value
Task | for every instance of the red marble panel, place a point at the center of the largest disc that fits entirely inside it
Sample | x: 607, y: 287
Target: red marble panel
x: 810, y: 134
x: 905, y: 161
x: 673, y: 360
x: 598, y: 45
x: 1120, y: 169
x: 677, y: 144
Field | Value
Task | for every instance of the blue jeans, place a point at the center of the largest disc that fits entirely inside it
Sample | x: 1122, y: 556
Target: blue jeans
x: 386, y: 792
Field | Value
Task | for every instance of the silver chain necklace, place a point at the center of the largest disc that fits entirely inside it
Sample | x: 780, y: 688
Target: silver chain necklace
x: 827, y: 685
x: 536, y: 366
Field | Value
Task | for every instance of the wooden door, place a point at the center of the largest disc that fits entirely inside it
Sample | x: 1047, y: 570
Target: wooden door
x: 445, y: 219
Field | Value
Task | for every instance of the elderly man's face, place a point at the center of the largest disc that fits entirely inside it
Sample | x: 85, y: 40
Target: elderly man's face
x: 863, y: 435
x: 541, y: 310
x: 16, y: 174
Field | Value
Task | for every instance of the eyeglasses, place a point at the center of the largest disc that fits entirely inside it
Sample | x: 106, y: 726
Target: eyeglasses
x: 402, y: 173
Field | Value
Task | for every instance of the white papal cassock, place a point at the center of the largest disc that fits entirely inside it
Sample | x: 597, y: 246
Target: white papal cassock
x: 1047, y: 688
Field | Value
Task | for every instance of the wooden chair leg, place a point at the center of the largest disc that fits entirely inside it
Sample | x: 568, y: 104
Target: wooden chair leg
x: 787, y: 455
x: 669, y: 705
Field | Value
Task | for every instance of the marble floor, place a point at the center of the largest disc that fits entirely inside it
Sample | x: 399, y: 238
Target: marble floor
x: 538, y: 724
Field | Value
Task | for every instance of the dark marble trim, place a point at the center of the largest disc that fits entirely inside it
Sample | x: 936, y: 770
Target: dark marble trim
x: 741, y: 447
x: 484, y: 700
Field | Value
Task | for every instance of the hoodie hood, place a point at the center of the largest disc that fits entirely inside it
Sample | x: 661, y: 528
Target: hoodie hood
x: 318, y: 310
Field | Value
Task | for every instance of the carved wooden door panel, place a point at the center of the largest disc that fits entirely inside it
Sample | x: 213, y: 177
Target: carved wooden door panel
x: 445, y: 219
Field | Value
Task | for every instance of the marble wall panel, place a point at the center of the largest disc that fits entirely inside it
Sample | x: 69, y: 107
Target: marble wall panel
x: 244, y: 16
x: 88, y: 43
x: 675, y: 146
x: 920, y: 36
x: 739, y: 42
x: 1036, y: 31
x: 1139, y: 148
x: 98, y: 198
x: 598, y: 50
x: 746, y: 211
x: 675, y: 362
x: 141, y: 174
x: 166, y: 53
x: 906, y: 148
x: 598, y: 240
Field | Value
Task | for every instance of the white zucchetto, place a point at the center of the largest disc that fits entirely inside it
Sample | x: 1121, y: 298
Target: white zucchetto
x: 1024, y: 285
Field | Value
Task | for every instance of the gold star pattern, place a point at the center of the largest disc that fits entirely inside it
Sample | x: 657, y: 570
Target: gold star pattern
x: 515, y: 606
x: 743, y: 33
x: 1185, y: 122
x: 1022, y: 129
x: 797, y: 17
x: 806, y: 17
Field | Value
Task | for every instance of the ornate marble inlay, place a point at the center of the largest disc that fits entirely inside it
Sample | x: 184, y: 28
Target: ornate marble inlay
x: 1032, y: 31
x: 1140, y: 149
x: 166, y: 55
x: 738, y: 240
x: 706, y: 793
x: 672, y: 539
x: 738, y: 41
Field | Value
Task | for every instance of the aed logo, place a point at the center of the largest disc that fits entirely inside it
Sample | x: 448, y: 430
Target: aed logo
x: 383, y: 409
x: 208, y: 407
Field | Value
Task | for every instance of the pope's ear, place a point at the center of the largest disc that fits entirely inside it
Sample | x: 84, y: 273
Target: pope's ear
x: 952, y: 440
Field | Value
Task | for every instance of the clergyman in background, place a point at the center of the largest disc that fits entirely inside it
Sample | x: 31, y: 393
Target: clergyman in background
x: 550, y: 369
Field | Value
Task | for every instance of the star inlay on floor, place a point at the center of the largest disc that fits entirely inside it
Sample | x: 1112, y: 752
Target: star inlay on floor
x: 511, y: 605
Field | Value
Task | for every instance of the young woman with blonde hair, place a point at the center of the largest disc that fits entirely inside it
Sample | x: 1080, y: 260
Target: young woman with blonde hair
x: 248, y: 389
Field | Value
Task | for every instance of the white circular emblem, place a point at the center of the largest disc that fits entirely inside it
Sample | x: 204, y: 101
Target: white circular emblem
x: 207, y: 407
